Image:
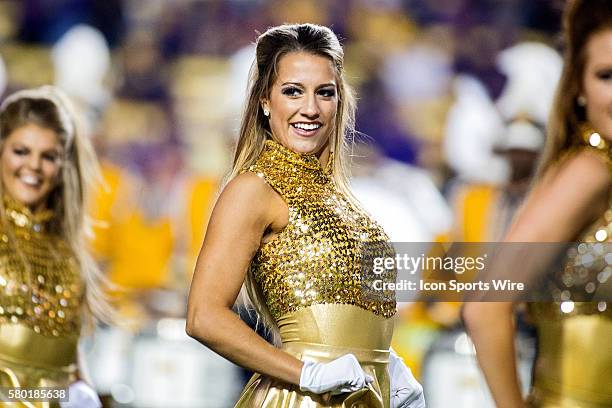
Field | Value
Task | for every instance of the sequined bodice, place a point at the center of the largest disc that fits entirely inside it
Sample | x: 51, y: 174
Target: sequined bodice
x: 587, y: 268
x: 575, y: 328
x: 40, y: 285
x: 317, y: 257
x: 586, y: 275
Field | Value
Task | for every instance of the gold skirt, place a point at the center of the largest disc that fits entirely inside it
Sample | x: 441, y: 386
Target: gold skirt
x: 30, y: 360
x: 323, y: 333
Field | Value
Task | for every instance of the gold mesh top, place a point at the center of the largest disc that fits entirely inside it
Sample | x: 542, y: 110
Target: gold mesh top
x: 40, y: 284
x: 318, y: 257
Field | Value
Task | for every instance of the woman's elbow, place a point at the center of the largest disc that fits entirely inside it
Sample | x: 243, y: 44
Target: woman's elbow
x: 191, y: 324
x: 475, y: 314
x: 469, y: 315
x: 198, y: 325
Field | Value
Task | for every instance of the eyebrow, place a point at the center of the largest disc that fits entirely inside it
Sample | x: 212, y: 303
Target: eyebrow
x: 22, y: 145
x: 318, y: 87
x: 602, y: 66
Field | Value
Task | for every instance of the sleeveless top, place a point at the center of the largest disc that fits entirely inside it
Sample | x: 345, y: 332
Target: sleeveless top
x: 320, y: 257
x: 574, y: 357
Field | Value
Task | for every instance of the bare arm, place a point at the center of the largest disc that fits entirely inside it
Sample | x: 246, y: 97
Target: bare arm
x: 245, y: 210
x: 568, y: 198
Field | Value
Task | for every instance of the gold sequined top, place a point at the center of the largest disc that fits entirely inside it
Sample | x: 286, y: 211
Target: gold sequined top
x: 40, y: 284
x: 587, y: 268
x: 574, y: 358
x: 318, y: 257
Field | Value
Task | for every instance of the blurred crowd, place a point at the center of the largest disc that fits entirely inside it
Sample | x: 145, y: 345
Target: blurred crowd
x: 453, y: 97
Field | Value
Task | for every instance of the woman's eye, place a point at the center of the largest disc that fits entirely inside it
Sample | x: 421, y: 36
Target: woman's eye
x: 327, y: 93
x: 52, y: 158
x: 605, y: 75
x: 292, y: 91
x: 20, y: 152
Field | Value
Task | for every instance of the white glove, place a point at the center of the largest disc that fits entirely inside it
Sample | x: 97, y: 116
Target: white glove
x: 406, y: 392
x: 343, y: 374
x: 81, y: 395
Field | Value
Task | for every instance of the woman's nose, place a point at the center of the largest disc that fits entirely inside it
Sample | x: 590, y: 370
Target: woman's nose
x: 34, y: 161
x: 310, y: 108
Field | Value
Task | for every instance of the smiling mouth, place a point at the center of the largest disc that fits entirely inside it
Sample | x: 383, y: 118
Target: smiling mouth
x: 306, y: 128
x: 31, y: 181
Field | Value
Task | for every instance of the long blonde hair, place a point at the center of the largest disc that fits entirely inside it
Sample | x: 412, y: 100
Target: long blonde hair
x: 49, y: 108
x: 271, y: 46
x: 582, y: 19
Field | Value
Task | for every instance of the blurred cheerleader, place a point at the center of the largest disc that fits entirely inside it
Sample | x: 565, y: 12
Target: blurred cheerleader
x: 48, y: 282
x: 571, y: 202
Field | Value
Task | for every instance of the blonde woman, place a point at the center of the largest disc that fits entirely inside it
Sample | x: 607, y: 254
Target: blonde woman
x: 571, y: 202
x: 287, y: 229
x: 47, y: 279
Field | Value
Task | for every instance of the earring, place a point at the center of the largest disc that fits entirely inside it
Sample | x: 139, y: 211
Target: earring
x: 581, y: 100
x: 266, y: 112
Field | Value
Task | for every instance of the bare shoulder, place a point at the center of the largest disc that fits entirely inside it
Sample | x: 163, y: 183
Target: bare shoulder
x: 585, y: 174
x: 247, y: 185
x: 246, y: 190
x: 570, y: 195
x: 593, y: 161
x: 249, y: 198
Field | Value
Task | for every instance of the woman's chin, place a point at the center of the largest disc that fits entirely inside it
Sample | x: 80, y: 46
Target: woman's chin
x: 306, y: 147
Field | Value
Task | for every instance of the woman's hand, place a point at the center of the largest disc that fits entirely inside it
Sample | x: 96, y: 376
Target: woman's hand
x: 406, y: 392
x: 343, y: 374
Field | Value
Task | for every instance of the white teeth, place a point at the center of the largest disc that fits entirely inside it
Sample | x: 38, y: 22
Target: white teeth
x: 307, y: 126
x: 30, y: 180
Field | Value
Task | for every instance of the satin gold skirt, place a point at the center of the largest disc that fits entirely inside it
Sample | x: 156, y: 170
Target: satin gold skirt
x: 323, y: 333
x: 31, y: 360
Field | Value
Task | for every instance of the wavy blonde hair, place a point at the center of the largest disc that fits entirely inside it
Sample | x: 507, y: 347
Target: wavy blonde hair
x: 271, y: 46
x: 49, y: 108
x: 582, y: 19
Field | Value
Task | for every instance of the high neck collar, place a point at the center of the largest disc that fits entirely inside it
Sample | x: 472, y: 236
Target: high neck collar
x: 594, y: 139
x: 23, y: 217
x: 309, y: 161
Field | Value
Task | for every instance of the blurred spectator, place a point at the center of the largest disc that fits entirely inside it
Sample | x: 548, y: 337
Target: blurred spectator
x: 87, y: 81
x: 46, y: 21
x: 484, y: 210
x: 153, y: 213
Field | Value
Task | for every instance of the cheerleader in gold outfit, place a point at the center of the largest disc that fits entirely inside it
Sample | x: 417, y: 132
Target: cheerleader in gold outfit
x: 46, y: 276
x: 287, y: 231
x: 571, y: 202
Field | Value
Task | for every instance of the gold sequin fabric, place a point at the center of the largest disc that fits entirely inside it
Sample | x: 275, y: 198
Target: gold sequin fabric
x: 40, y: 285
x: 586, y: 271
x: 574, y: 327
x: 321, y: 255
x: 586, y: 275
